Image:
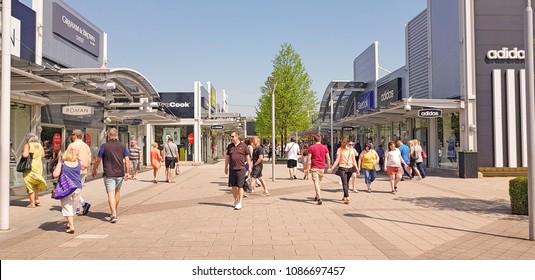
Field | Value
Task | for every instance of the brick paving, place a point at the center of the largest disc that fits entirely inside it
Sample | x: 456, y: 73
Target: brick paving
x: 436, y: 218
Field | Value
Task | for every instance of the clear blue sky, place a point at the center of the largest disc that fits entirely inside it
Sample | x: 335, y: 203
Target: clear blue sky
x: 232, y: 43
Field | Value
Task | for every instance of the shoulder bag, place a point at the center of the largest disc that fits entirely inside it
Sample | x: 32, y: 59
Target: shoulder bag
x: 175, y: 159
x: 64, y: 187
x: 25, y: 163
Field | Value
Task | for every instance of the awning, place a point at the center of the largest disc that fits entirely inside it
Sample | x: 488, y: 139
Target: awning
x: 31, y: 82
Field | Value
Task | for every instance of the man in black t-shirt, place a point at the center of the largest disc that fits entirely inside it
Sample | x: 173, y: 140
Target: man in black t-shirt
x: 236, y: 158
x: 258, y: 165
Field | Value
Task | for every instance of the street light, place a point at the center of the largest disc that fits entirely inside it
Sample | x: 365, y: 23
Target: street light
x: 528, y: 43
x: 273, y: 152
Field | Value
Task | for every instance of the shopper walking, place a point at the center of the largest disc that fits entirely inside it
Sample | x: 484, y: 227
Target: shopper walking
x: 393, y: 165
x: 84, y: 156
x: 70, y: 167
x: 135, y: 157
x: 368, y: 159
x: 235, y: 161
x: 292, y: 154
x: 318, y: 155
x: 404, y: 150
x: 413, y: 157
x: 306, y: 162
x: 354, y: 176
x: 171, y: 158
x: 33, y: 178
x: 114, y: 156
x: 258, y: 165
x: 420, y: 157
x: 155, y: 161
x: 345, y: 157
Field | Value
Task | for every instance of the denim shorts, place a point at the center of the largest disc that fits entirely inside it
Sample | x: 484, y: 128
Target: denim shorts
x: 113, y: 183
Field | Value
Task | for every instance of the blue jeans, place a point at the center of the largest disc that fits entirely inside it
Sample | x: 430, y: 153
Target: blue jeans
x: 369, y: 176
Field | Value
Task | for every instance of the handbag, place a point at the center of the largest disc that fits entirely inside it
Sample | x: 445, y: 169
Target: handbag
x: 424, y: 155
x: 64, y: 187
x: 25, y: 163
x: 175, y: 159
x: 377, y: 166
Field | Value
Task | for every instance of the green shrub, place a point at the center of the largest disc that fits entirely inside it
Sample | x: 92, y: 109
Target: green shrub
x: 518, y: 192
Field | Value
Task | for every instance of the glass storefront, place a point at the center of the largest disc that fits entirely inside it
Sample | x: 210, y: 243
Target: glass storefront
x: 448, y: 140
x: 182, y: 136
x: 20, y: 125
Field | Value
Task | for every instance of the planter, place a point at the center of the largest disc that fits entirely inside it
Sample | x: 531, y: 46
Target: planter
x: 468, y: 165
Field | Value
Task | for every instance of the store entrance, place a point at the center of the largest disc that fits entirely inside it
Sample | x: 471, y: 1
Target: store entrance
x: 53, y: 139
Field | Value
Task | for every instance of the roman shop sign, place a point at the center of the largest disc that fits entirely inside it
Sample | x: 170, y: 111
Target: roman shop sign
x: 505, y: 54
x: 77, y: 110
x: 389, y: 93
x: 429, y: 113
x: 74, y: 30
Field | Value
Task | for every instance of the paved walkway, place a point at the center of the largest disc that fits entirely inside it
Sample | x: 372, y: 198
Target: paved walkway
x: 436, y: 218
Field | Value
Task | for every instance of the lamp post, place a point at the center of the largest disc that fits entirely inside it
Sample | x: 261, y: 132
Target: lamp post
x: 273, y: 152
x: 530, y: 102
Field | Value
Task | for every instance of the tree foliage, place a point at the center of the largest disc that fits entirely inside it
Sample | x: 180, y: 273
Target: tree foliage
x: 294, y: 100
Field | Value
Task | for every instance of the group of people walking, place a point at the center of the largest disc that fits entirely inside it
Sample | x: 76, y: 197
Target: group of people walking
x: 74, y: 164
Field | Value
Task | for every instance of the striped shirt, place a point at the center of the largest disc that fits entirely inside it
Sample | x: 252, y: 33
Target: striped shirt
x: 134, y: 152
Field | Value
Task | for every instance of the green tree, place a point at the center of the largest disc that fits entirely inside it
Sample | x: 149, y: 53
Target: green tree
x: 294, y: 100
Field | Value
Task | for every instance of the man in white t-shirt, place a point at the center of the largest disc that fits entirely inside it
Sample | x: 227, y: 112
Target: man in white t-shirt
x: 292, y: 153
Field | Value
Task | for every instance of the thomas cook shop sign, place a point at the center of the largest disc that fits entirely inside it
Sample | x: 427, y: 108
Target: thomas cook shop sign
x: 77, y: 110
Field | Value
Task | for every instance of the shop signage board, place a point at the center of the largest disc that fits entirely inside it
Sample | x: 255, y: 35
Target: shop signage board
x: 347, y: 128
x: 365, y: 102
x: 218, y: 126
x: 77, y: 110
x: 132, y: 121
x: 389, y: 92
x: 430, y: 113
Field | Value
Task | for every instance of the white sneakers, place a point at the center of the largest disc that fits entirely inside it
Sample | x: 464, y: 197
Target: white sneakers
x: 238, y: 206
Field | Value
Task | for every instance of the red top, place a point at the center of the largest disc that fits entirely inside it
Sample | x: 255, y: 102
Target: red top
x: 318, y: 152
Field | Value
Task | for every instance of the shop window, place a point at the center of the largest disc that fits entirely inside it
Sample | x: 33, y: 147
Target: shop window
x: 448, y: 140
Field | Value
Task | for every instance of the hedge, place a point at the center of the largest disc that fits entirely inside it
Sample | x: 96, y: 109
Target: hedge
x: 518, y: 192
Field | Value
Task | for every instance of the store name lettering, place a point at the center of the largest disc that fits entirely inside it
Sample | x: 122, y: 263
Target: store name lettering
x: 506, y: 53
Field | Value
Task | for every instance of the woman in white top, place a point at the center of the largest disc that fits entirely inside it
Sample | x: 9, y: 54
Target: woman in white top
x: 393, y: 165
x: 345, y: 157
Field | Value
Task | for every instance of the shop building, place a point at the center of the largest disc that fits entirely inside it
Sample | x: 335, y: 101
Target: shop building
x: 462, y: 89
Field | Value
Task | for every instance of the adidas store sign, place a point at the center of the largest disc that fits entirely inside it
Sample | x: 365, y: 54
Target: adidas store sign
x: 506, y: 53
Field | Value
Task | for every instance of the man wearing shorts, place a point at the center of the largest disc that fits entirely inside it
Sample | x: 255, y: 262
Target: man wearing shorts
x: 292, y: 151
x: 84, y: 156
x: 170, y: 151
x: 135, y: 156
x: 258, y: 165
x: 318, y: 155
x: 237, y: 156
x: 114, y: 156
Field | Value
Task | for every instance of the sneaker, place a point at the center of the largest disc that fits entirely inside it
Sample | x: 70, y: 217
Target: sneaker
x: 113, y: 219
x: 238, y: 206
x: 295, y: 177
x: 320, y: 201
x: 355, y: 190
x: 266, y: 193
x: 78, y: 211
x: 86, y: 207
x: 370, y: 191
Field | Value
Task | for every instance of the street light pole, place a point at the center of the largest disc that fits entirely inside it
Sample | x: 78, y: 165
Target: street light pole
x: 332, y: 120
x: 273, y: 151
x: 530, y: 103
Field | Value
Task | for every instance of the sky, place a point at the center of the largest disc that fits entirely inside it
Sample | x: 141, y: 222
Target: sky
x: 233, y: 43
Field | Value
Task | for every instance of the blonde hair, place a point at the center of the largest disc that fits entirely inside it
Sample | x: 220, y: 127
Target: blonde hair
x: 155, y: 145
x: 70, y: 154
